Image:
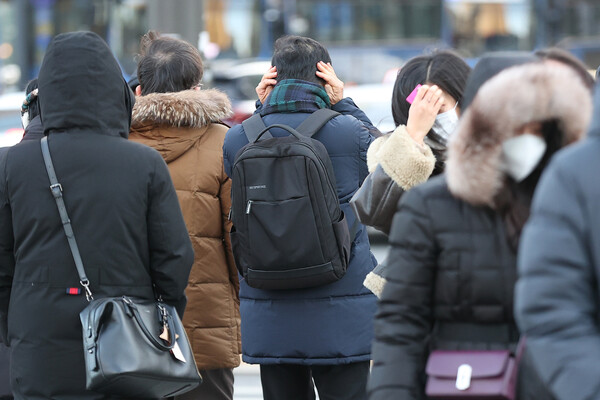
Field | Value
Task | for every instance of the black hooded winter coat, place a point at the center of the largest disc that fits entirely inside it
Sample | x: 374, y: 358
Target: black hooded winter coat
x: 122, y: 205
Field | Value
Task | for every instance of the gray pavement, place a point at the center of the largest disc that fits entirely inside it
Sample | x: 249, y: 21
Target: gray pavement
x: 247, y: 383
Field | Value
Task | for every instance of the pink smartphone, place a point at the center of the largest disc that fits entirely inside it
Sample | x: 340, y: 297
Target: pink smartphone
x: 413, y: 94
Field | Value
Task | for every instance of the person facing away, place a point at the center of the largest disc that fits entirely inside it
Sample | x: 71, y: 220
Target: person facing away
x: 557, y: 294
x: 454, y: 239
x: 322, y: 333
x: 30, y: 113
x: 123, y: 209
x: 173, y: 115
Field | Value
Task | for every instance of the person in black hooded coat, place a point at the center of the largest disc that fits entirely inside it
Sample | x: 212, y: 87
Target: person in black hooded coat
x: 122, y: 205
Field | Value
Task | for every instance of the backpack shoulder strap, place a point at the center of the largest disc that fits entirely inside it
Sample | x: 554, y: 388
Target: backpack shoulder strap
x: 253, y: 126
x: 316, y: 121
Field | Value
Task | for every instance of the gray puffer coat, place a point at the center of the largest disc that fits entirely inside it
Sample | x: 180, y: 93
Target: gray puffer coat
x: 558, y: 293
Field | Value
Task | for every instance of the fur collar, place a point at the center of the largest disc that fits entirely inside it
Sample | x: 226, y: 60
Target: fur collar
x: 188, y: 108
x: 405, y: 162
x: 514, y: 97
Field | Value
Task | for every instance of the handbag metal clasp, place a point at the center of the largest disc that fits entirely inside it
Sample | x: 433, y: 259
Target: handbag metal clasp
x: 463, y: 377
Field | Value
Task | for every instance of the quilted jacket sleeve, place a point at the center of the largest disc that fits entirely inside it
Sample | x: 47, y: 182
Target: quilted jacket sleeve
x: 403, y: 320
x: 225, y: 200
x: 556, y: 300
x: 171, y: 253
x: 396, y: 164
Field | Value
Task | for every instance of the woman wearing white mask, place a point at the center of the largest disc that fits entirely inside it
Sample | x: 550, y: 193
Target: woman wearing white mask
x: 425, y: 101
x: 454, y: 239
x: 424, y: 106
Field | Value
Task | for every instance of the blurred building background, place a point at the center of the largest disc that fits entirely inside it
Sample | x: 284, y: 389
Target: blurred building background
x: 366, y: 38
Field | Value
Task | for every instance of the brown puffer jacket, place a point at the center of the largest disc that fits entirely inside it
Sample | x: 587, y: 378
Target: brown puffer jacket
x: 184, y: 127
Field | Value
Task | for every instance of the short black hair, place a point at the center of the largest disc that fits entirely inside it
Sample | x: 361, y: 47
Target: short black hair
x: 296, y: 57
x: 168, y: 64
x: 443, y: 68
x: 33, y: 107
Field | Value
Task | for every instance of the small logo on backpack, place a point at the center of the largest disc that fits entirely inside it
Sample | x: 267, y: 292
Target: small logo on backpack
x: 257, y: 187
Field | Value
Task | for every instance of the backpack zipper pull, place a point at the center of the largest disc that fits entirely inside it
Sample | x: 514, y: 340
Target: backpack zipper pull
x: 248, y: 206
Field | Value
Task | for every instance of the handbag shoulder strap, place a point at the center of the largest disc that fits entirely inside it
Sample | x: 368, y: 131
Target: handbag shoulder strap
x: 56, y: 190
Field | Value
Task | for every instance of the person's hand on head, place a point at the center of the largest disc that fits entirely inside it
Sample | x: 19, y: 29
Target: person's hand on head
x: 423, y: 111
x: 333, y: 85
x: 268, y: 81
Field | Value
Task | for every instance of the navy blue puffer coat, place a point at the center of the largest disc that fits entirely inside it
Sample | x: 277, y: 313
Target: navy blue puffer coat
x: 330, y: 324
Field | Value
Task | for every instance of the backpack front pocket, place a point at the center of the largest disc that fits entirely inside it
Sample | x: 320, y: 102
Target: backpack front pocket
x: 283, y: 235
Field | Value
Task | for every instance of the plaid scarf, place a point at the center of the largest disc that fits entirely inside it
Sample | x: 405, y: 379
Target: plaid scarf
x: 295, y: 95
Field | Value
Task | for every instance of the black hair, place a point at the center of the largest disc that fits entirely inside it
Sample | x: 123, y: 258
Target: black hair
x: 133, y: 83
x: 33, y: 107
x: 167, y: 64
x: 568, y: 59
x: 296, y: 57
x: 443, y: 68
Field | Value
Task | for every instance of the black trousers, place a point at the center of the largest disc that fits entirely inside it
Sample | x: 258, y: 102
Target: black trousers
x: 333, y: 382
x: 217, y: 384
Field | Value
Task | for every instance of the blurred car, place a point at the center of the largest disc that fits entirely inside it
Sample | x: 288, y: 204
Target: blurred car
x: 376, y: 101
x: 11, y: 130
x: 238, y: 79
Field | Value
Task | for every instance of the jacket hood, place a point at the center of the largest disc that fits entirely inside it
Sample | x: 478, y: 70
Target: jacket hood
x: 488, y: 66
x: 514, y: 97
x: 173, y: 122
x: 81, y: 86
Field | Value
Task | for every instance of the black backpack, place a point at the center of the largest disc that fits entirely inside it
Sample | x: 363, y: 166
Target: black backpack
x: 288, y: 230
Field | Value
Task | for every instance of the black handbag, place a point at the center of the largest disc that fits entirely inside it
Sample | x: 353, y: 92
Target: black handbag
x: 135, y: 348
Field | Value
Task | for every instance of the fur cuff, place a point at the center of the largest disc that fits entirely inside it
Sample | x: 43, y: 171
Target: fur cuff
x: 372, y: 160
x: 407, y: 163
x: 374, y: 283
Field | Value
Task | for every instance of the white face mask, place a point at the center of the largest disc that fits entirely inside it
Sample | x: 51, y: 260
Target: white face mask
x: 521, y: 154
x: 445, y: 123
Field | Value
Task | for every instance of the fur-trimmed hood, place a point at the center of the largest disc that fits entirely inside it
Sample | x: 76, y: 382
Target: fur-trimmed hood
x: 511, y: 99
x: 174, y: 122
x: 188, y: 108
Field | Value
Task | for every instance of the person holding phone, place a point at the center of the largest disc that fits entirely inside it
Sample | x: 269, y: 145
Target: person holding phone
x: 425, y: 103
